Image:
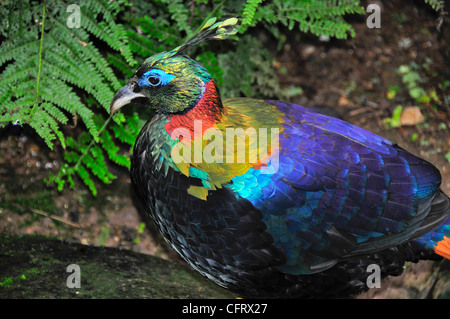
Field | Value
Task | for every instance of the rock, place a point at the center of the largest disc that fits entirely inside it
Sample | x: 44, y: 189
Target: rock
x: 36, y: 267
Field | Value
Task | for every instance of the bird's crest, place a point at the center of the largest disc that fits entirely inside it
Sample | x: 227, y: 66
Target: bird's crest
x: 211, y: 30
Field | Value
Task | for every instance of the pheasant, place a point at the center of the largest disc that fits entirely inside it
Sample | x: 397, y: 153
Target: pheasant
x: 270, y: 199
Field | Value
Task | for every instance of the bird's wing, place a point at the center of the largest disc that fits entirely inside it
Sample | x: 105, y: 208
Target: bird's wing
x: 337, y: 190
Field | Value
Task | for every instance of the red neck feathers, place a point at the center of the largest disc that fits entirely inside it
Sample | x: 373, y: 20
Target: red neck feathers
x: 208, y: 109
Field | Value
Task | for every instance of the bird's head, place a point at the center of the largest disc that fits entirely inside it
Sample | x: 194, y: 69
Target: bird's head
x: 171, y: 81
x: 167, y: 84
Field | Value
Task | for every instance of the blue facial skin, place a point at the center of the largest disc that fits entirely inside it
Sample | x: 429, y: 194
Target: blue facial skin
x: 154, y: 75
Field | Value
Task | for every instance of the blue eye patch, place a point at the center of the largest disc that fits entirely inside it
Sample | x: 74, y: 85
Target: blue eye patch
x: 155, y: 78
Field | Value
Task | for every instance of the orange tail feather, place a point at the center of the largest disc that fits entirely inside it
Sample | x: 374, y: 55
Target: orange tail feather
x: 443, y: 247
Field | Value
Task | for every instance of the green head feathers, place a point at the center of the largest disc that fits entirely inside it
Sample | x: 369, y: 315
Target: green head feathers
x: 171, y: 81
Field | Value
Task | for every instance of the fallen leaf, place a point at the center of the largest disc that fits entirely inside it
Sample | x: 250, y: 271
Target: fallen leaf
x: 343, y: 101
x: 411, y: 115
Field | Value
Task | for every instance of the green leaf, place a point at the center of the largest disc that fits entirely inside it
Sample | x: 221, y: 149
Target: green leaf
x: 416, y: 92
x: 436, y: 4
x: 411, y: 78
x: 103, y: 237
x: 394, y: 121
x: 403, y: 69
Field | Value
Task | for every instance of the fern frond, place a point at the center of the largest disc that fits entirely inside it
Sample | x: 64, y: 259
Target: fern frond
x: 97, y: 164
x: 179, y: 13
x: 86, y: 178
x: 249, y: 11
x: 435, y: 4
x: 113, y: 150
x: 320, y: 17
x: 40, y: 123
x: 50, y: 72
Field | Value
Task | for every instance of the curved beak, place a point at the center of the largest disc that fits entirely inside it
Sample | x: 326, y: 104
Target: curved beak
x: 123, y: 97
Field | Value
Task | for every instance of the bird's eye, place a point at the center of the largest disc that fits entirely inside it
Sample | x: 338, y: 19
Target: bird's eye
x: 154, y: 80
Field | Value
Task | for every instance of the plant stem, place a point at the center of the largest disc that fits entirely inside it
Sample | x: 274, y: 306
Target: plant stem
x: 39, y: 66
